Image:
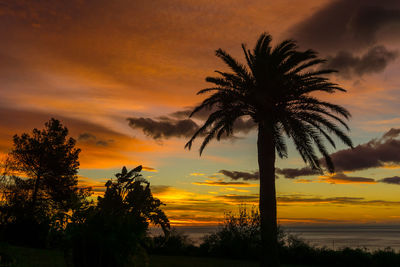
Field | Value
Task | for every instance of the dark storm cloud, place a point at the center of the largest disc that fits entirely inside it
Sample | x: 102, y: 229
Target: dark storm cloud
x: 236, y: 175
x: 91, y: 138
x: 373, y: 61
x: 343, y: 29
x: 178, y: 124
x: 373, y: 154
x: 391, y: 180
x: 349, y: 25
x: 292, y: 173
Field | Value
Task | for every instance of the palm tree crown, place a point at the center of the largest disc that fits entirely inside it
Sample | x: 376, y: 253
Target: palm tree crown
x: 274, y: 89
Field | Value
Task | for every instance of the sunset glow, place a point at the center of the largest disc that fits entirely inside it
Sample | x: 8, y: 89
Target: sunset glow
x: 122, y: 76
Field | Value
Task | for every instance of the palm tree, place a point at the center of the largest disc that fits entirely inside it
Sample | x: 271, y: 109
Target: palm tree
x: 274, y: 90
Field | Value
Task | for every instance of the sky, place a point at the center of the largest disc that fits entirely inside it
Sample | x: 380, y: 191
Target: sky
x: 122, y: 76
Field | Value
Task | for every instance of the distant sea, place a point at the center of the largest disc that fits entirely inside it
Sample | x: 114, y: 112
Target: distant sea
x: 372, y: 237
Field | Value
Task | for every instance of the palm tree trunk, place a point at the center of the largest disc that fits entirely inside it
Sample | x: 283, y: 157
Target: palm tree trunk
x: 266, y: 162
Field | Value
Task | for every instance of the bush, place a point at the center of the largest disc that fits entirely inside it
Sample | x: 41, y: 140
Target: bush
x: 297, y: 251
x: 104, y: 240
x: 238, y: 237
x: 113, y: 232
x: 175, y: 243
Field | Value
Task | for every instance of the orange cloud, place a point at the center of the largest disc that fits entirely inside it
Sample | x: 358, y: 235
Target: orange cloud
x: 196, y: 174
x: 222, y: 183
x: 341, y: 178
x: 101, y: 147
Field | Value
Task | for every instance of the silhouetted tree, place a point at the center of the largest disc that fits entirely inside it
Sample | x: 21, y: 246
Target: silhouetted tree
x: 39, y: 185
x: 274, y: 90
x: 48, y: 158
x: 131, y: 193
x: 110, y: 234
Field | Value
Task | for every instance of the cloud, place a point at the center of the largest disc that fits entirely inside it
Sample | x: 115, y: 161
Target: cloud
x: 90, y: 138
x: 292, y: 173
x: 294, y: 199
x: 149, y: 169
x: 304, y: 181
x: 86, y: 137
x: 185, y: 113
x: 373, y: 61
x: 97, y: 187
x: 341, y: 178
x: 305, y: 199
x: 178, y: 124
x: 373, y: 154
x: 364, y: 26
x: 160, y: 189
x: 307, y: 221
x: 338, y: 178
x: 289, y: 173
x: 391, y: 180
x: 233, y: 198
x: 236, y: 175
x: 222, y: 183
x: 164, y: 128
x: 197, y: 174
x: 115, y: 154
x: 392, y: 133
x: 349, y: 25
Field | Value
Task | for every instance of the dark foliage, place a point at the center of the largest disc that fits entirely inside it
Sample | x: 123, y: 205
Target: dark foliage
x: 50, y: 160
x: 176, y: 243
x: 112, y: 233
x: 297, y: 251
x: 274, y: 88
x: 238, y: 237
x: 39, y: 185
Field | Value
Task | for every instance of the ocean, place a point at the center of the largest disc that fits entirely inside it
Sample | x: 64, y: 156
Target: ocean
x: 372, y: 237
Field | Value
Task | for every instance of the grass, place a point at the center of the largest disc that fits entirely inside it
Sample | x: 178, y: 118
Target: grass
x: 183, y: 261
x: 27, y: 257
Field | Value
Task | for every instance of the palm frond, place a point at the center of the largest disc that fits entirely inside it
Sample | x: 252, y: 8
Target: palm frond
x: 274, y: 88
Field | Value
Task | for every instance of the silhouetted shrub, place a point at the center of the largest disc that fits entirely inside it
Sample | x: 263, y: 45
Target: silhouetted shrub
x: 238, y: 237
x: 175, y: 243
x: 297, y: 251
x: 112, y: 232
x: 104, y: 240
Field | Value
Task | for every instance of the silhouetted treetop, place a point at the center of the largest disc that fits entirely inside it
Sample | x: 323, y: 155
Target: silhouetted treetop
x: 50, y: 159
